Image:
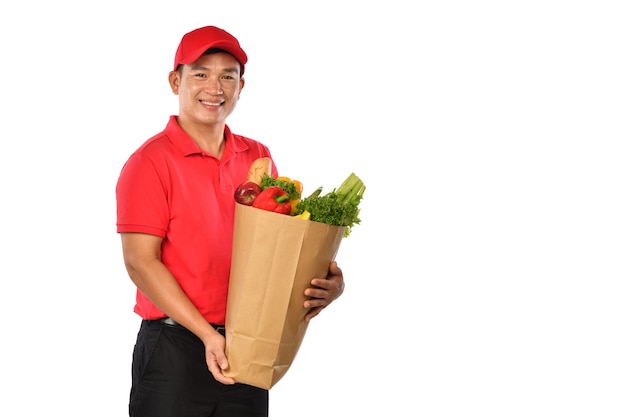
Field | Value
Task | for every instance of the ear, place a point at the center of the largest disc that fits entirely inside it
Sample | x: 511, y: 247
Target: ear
x: 174, y: 80
x: 242, y: 82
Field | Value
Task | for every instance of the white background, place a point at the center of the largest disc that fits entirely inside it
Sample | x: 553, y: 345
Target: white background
x: 487, y: 277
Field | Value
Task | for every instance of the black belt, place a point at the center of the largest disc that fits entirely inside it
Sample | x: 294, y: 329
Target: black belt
x: 170, y: 322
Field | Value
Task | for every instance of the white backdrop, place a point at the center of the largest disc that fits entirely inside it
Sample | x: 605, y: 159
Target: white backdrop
x: 487, y: 276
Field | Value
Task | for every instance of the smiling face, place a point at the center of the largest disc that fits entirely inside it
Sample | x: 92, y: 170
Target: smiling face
x: 208, y: 90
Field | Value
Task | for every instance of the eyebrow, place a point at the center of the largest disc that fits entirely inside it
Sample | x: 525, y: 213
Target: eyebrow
x: 234, y: 70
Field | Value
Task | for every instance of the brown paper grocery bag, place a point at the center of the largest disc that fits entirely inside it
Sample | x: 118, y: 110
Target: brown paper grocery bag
x: 275, y: 256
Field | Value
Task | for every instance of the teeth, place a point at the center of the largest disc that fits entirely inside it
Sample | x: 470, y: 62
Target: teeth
x: 207, y: 103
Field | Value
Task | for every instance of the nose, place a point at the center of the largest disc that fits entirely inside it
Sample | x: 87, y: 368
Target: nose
x: 214, y: 87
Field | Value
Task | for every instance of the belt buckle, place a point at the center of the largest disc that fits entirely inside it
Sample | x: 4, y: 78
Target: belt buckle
x: 169, y: 321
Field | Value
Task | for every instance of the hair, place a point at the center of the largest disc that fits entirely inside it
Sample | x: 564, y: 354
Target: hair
x: 211, y: 51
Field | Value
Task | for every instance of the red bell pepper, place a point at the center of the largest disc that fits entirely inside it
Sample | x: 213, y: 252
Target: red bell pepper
x: 273, y: 199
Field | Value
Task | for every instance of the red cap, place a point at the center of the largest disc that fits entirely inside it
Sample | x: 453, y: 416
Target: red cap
x: 196, y: 42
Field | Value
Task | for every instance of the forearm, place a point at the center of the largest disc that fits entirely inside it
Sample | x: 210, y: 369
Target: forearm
x: 159, y: 285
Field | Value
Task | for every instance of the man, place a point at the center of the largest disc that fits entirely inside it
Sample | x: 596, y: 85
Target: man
x: 175, y: 207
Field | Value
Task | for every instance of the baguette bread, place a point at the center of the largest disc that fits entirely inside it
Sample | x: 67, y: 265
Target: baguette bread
x: 259, y: 168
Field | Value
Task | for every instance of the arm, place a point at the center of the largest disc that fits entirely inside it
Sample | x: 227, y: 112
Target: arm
x: 142, y: 257
x: 324, y: 291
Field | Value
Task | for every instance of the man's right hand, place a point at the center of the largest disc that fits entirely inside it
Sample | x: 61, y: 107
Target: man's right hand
x: 216, y: 360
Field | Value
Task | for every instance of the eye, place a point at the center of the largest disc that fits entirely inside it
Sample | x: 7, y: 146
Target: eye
x: 200, y: 75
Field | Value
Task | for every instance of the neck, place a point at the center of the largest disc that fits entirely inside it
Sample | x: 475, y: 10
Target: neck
x: 210, y: 138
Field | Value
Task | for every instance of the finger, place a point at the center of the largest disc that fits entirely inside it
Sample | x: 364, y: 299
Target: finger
x: 316, y: 293
x: 315, y: 302
x: 314, y: 312
x: 219, y: 376
x: 222, y: 361
x: 334, y: 269
x: 321, y: 283
x: 223, y: 379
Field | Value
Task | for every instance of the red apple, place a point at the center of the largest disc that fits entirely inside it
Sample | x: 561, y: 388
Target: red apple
x: 247, y: 192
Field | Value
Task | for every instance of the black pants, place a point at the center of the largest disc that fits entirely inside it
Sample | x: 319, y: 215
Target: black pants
x: 170, y: 378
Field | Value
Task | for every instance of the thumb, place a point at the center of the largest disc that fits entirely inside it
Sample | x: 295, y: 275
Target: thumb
x: 222, y: 361
x: 334, y: 269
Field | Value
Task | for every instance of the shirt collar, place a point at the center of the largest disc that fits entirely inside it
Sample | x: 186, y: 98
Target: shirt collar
x: 187, y: 146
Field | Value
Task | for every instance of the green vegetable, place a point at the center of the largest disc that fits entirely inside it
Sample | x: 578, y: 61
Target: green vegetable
x: 339, y: 207
x: 269, y: 181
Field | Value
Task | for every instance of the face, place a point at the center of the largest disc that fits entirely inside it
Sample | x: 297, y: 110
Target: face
x: 208, y: 89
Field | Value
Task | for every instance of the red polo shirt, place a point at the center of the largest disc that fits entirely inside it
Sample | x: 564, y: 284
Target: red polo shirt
x: 171, y: 188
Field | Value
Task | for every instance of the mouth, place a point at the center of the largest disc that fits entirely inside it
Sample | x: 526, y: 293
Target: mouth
x: 211, y: 104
